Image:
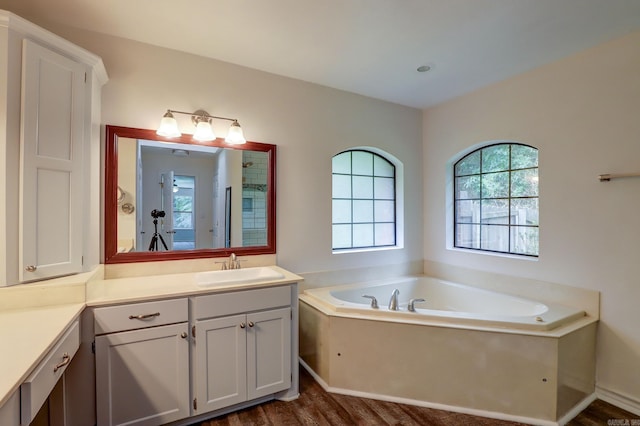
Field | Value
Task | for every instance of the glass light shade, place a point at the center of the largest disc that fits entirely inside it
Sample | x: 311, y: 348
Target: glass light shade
x: 204, y: 132
x: 235, y: 135
x: 168, y: 127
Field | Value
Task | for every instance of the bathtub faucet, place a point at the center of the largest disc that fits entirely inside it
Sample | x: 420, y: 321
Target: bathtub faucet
x: 393, y: 302
x: 412, y: 308
x: 374, y: 302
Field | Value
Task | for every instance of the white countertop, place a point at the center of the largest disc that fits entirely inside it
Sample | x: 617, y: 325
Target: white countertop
x: 123, y: 290
x: 28, y: 333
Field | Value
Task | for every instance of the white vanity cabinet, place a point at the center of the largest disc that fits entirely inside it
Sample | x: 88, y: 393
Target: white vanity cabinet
x: 142, y: 363
x: 49, y: 118
x: 10, y: 411
x: 242, y: 346
x: 35, y: 390
x: 190, y: 358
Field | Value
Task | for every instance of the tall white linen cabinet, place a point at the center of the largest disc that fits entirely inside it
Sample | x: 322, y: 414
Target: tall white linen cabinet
x: 49, y: 153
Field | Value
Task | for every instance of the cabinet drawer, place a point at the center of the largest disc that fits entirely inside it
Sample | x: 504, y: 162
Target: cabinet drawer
x: 140, y: 315
x: 216, y: 305
x: 36, y: 388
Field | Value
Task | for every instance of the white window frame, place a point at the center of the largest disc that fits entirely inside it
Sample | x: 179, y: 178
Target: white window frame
x: 399, y: 201
x: 450, y: 204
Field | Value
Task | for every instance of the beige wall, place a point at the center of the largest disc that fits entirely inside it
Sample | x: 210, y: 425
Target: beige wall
x: 308, y: 123
x: 583, y: 114
x: 127, y: 181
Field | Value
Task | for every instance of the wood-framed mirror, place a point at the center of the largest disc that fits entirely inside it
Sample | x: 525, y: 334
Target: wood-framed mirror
x: 170, y: 199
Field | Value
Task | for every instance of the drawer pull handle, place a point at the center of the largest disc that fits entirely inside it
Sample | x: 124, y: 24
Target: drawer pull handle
x: 31, y: 268
x: 251, y: 324
x: 144, y: 316
x: 184, y: 335
x: 242, y: 325
x: 65, y: 360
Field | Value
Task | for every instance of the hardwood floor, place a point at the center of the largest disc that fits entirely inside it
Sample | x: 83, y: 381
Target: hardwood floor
x: 603, y: 413
x: 317, y: 407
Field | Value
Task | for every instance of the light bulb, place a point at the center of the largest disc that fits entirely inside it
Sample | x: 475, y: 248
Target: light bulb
x: 168, y: 126
x: 235, y: 135
x: 204, y: 132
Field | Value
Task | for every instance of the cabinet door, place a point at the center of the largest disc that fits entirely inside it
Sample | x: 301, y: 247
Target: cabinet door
x: 220, y: 371
x: 142, y: 376
x: 51, y: 187
x: 268, y: 352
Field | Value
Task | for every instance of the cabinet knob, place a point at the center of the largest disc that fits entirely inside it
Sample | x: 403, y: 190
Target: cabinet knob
x: 251, y: 324
x: 31, y: 268
x: 242, y: 325
x: 184, y: 335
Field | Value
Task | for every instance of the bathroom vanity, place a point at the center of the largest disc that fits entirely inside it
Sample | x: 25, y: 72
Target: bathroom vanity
x: 164, y: 349
x: 168, y: 349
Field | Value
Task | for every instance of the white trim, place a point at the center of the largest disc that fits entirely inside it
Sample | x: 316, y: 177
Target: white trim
x: 625, y: 402
x: 35, y: 33
x: 577, y: 409
x: 444, y: 407
x: 450, y: 200
x: 495, y: 253
x: 360, y: 250
x: 399, y: 201
x: 289, y: 398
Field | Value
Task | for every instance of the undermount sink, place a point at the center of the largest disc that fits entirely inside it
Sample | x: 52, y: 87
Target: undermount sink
x: 237, y: 276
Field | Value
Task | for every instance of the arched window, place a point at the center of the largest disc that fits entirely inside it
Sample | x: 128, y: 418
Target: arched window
x: 363, y: 201
x: 496, y: 199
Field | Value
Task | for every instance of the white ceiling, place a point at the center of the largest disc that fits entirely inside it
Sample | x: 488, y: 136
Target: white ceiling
x: 370, y: 47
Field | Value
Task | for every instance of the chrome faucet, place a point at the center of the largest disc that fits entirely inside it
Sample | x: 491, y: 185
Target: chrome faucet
x: 411, y: 307
x: 393, y: 302
x: 374, y: 302
x: 232, y: 263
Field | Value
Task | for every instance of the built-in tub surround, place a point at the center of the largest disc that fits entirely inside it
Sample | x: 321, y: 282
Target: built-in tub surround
x: 509, y: 371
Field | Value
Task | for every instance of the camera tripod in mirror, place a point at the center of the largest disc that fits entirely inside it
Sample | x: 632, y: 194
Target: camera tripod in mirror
x: 153, y: 245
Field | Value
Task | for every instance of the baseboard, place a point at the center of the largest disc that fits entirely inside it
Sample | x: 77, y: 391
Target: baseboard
x: 289, y: 398
x: 619, y: 400
x: 452, y: 408
x: 577, y: 409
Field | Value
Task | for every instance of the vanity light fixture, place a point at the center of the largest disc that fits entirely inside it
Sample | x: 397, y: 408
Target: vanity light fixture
x: 204, y: 132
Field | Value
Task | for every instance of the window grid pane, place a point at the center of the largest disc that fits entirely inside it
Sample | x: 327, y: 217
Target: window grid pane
x: 363, y: 201
x: 496, y: 200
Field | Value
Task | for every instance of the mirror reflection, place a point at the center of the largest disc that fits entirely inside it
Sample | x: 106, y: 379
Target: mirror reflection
x: 173, y: 200
x: 186, y: 197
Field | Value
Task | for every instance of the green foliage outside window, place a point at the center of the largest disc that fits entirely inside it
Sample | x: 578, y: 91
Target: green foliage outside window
x: 496, y: 199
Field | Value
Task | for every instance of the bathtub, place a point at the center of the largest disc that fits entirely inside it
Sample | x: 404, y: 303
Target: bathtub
x: 464, y: 349
x: 444, y: 302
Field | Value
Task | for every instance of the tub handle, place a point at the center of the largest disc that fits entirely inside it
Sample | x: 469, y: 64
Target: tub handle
x: 411, y: 308
x: 374, y: 302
